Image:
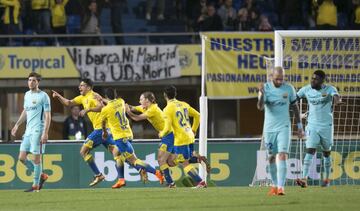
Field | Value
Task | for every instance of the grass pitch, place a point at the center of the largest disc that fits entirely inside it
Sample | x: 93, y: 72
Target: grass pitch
x: 340, y: 198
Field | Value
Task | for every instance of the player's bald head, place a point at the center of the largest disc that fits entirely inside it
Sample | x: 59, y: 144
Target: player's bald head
x: 278, y: 70
x: 278, y: 76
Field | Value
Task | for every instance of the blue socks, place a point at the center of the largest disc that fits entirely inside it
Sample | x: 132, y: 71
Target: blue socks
x: 307, y: 163
x: 37, y: 173
x: 327, y: 167
x: 191, y: 171
x: 142, y: 165
x: 193, y: 159
x: 93, y: 167
x: 166, y: 171
x: 281, y: 172
x: 273, y: 173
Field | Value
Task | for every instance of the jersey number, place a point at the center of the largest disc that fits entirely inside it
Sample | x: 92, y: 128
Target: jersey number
x: 122, y: 119
x: 183, y: 117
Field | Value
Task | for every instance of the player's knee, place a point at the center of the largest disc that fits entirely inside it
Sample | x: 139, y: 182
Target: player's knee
x: 282, y: 156
x: 311, y: 151
x: 22, y: 160
x: 36, y: 161
x: 272, y: 159
x: 161, y: 160
x: 84, y: 151
x: 326, y: 153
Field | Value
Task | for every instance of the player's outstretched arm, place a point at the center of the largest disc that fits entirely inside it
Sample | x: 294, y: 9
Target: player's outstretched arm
x: 21, y: 119
x: 63, y: 100
x: 135, y: 117
x: 261, y: 102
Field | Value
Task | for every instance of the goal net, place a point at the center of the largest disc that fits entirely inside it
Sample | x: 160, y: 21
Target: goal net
x: 337, y: 54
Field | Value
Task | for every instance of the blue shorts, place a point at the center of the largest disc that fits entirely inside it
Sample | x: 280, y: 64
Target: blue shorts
x: 276, y: 142
x: 319, y: 137
x: 125, y: 147
x: 32, y: 143
x: 167, y: 143
x: 182, y: 153
x: 95, y: 139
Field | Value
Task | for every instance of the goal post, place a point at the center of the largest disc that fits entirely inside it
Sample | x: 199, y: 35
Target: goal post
x: 203, y: 101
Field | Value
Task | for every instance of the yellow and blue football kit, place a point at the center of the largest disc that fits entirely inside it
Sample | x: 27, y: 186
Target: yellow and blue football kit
x: 156, y: 117
x: 176, y: 116
x: 95, y: 137
x: 115, y: 115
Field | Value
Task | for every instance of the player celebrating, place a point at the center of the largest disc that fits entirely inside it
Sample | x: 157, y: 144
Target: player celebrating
x: 38, y: 117
x: 114, y: 115
x: 276, y: 97
x: 176, y: 116
x: 319, y: 128
x: 92, y: 107
x: 150, y: 111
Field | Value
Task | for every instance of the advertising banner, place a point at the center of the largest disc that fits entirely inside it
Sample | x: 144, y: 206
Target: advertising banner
x: 233, y: 164
x: 235, y: 64
x: 127, y: 63
x: 50, y: 62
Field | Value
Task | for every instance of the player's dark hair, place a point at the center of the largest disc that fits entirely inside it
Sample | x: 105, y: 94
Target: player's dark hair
x: 110, y: 93
x: 320, y: 73
x: 88, y: 82
x: 170, y: 91
x: 150, y: 96
x: 36, y: 75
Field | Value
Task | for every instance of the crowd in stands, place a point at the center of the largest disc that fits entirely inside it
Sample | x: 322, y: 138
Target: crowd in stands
x: 83, y: 16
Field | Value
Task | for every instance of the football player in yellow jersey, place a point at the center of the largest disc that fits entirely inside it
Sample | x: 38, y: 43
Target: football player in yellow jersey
x: 149, y: 110
x: 114, y: 115
x: 176, y: 116
x: 92, y: 107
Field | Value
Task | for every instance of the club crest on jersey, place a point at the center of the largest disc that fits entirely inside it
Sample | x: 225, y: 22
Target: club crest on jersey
x: 324, y: 94
x: 33, y: 101
x: 285, y: 95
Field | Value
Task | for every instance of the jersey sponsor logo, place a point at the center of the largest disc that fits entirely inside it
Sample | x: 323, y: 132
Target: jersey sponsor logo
x: 276, y: 103
x: 30, y: 108
x: 285, y: 95
x: 317, y: 101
